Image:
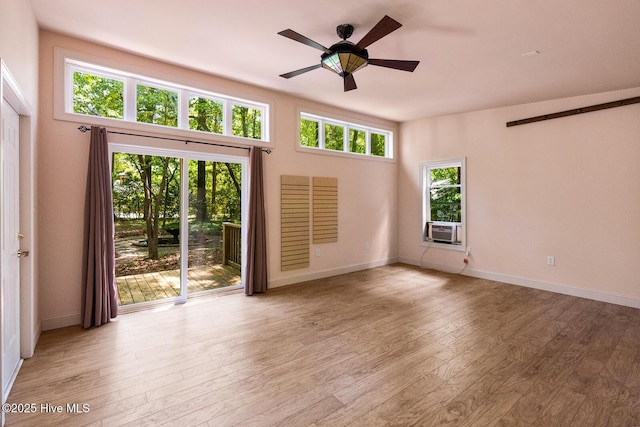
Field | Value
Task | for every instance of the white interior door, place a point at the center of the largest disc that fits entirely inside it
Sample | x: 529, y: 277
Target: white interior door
x: 10, y: 247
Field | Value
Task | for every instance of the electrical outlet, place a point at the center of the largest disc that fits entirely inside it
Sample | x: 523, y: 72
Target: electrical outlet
x: 317, y: 251
x: 366, y: 246
x: 551, y: 260
x: 468, y: 251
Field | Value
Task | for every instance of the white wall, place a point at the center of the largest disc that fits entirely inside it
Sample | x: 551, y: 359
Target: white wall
x: 19, y: 45
x: 568, y: 187
x: 533, y: 191
x: 367, y: 188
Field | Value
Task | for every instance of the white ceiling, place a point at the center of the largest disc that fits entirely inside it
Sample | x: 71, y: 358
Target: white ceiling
x: 470, y: 51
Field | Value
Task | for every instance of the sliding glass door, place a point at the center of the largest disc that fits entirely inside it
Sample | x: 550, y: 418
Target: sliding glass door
x: 178, y: 223
x: 215, y: 222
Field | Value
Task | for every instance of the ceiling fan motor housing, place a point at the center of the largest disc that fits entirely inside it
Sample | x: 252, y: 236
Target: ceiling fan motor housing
x: 344, y: 31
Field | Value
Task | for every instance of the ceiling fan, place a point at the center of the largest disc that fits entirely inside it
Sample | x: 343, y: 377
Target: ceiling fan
x: 345, y: 58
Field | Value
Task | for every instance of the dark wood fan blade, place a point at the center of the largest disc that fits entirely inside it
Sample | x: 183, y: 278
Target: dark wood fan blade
x: 395, y: 64
x: 385, y: 26
x: 303, y: 39
x: 300, y: 71
x: 349, y: 83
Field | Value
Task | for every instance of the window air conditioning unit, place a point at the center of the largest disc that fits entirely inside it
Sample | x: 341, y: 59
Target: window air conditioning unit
x: 445, y: 232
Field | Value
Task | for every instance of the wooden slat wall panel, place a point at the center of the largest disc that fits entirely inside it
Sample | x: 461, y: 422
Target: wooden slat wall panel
x: 325, y: 209
x: 294, y: 222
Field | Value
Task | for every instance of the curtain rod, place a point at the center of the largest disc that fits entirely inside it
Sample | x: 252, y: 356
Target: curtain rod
x: 575, y: 111
x: 84, y: 128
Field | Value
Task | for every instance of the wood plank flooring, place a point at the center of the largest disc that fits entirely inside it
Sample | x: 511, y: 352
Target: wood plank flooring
x: 166, y: 284
x: 394, y: 345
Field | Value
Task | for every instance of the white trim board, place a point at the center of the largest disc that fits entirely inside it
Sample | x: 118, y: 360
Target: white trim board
x: 528, y: 283
x: 61, y: 322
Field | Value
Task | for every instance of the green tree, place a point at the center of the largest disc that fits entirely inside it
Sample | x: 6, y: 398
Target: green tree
x: 333, y: 137
x: 154, y: 182
x: 445, y: 194
x: 128, y: 196
x: 153, y: 195
x: 222, y: 190
x: 205, y: 115
x: 98, y: 96
x: 228, y: 192
x: 357, y: 142
x: 377, y: 144
x: 309, y: 133
x: 246, y: 122
x: 157, y: 106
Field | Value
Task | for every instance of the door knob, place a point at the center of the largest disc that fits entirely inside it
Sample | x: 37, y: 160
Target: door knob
x: 20, y: 236
x: 23, y: 254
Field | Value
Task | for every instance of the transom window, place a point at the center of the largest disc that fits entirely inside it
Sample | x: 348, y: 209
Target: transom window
x: 93, y: 90
x: 443, y: 203
x: 324, y: 133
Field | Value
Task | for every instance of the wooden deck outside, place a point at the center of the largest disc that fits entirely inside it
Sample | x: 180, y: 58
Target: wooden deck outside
x: 166, y: 284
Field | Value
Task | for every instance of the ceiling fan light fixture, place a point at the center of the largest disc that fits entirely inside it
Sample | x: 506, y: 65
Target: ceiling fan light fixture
x: 345, y: 59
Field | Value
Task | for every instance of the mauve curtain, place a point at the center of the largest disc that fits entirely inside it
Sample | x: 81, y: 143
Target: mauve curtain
x: 99, y: 292
x: 256, y: 274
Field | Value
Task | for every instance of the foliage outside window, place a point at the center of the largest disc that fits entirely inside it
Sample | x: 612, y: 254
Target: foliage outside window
x: 100, y: 92
x: 443, y: 193
x: 146, y: 191
x: 246, y: 122
x: 333, y: 137
x: 357, y: 141
x: 377, y: 144
x: 309, y: 133
x: 205, y: 114
x: 97, y: 95
x: 157, y: 106
x: 336, y: 136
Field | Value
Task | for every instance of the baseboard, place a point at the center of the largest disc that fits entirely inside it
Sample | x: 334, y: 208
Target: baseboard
x: 61, y: 322
x: 329, y: 273
x: 431, y: 265
x: 12, y: 380
x: 521, y: 281
x: 557, y: 288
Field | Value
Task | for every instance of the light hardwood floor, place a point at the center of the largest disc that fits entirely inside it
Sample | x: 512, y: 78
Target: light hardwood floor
x: 393, y: 345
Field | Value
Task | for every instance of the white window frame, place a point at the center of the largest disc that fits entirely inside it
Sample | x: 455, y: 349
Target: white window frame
x: 67, y: 62
x: 425, y: 176
x: 322, y: 120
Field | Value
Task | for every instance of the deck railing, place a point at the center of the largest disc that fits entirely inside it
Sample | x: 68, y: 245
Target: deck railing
x: 231, y: 249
